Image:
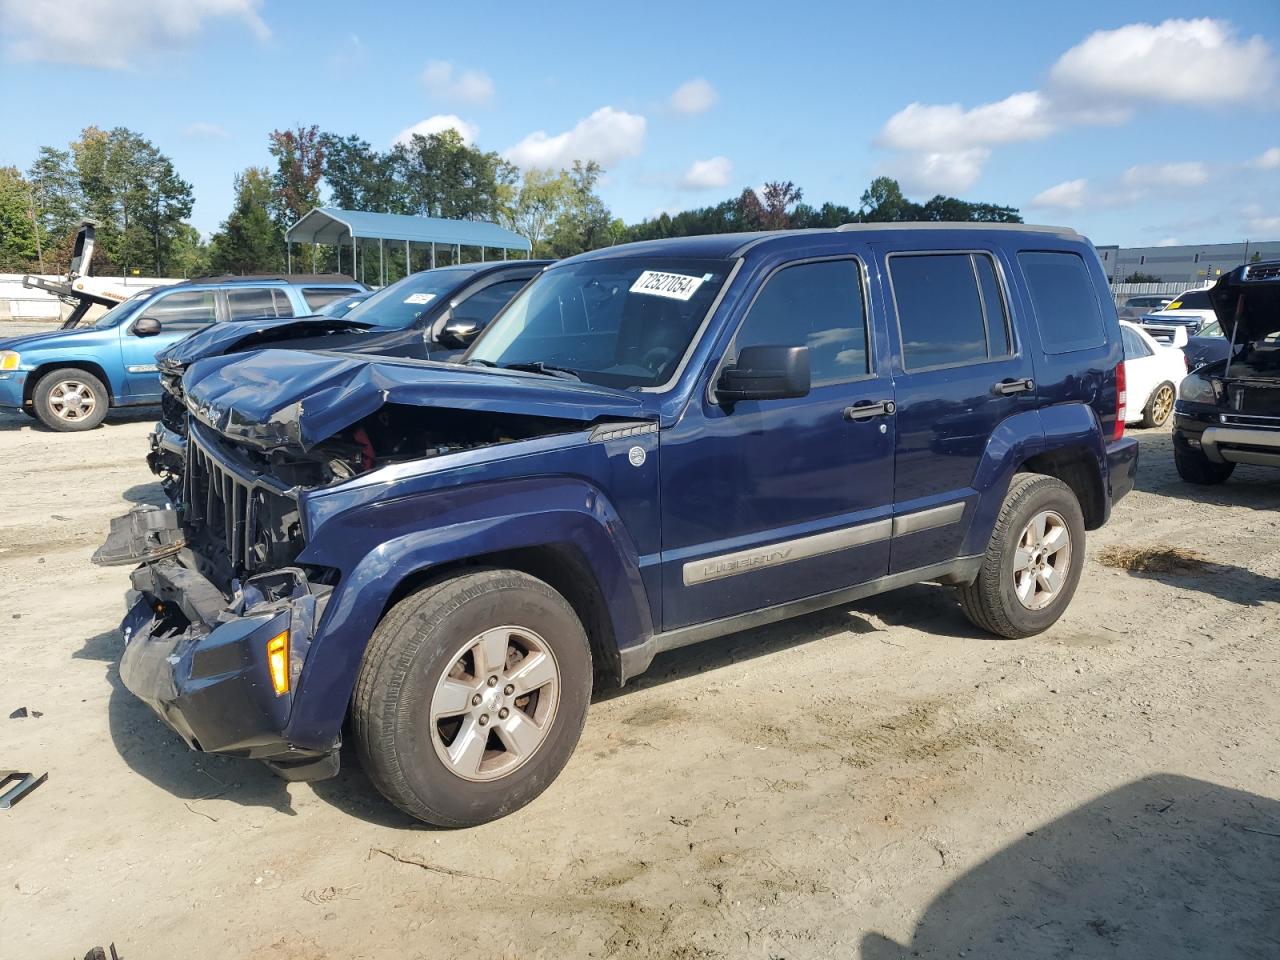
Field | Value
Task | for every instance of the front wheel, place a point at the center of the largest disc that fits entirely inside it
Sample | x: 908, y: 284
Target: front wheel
x: 471, y: 697
x: 70, y: 399
x: 1194, y: 467
x: 1033, y: 561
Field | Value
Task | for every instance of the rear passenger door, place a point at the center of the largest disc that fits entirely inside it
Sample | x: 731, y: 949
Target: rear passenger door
x: 960, y: 372
x: 257, y: 303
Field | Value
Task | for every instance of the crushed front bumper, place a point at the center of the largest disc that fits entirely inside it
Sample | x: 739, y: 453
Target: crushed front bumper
x: 168, y: 454
x: 199, y: 659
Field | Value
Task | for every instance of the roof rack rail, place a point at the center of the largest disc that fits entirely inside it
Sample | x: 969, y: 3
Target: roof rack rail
x: 279, y: 277
x: 957, y: 225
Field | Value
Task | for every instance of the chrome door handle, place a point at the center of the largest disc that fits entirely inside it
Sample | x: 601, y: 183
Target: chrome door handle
x: 865, y: 411
x: 1009, y: 387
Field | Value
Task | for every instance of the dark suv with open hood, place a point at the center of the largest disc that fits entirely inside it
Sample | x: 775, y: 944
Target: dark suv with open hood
x: 1228, y: 410
x: 652, y: 445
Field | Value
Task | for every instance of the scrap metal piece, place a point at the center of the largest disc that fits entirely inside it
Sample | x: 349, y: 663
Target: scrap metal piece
x: 142, y: 535
x: 25, y: 783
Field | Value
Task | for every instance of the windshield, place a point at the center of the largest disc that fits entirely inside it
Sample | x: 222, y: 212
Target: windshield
x: 340, y: 307
x: 123, y: 311
x: 1192, y: 300
x: 398, y: 306
x: 619, y: 322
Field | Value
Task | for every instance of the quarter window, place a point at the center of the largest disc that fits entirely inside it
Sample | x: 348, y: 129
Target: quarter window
x: 252, y: 302
x: 1066, y: 305
x: 815, y: 305
x: 951, y: 309
x: 1134, y: 348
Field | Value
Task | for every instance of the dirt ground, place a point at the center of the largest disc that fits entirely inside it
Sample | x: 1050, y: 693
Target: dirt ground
x: 876, y: 781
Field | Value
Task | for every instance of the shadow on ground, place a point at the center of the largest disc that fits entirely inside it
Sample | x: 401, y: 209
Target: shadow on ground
x: 1166, y: 867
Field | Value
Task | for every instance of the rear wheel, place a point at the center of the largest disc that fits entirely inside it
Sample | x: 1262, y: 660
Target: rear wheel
x: 70, y: 399
x: 472, y: 696
x: 1159, y: 407
x: 1194, y: 467
x: 1033, y: 561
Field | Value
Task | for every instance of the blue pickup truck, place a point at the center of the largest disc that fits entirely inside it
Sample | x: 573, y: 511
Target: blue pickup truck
x: 67, y: 379
x: 652, y: 445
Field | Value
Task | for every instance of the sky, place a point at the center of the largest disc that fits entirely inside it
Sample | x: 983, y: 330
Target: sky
x: 1138, y: 123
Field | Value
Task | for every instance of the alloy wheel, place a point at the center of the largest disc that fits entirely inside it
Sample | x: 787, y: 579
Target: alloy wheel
x: 1042, y: 561
x: 72, y: 400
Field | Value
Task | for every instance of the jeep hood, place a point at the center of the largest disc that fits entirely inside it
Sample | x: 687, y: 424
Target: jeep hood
x: 287, y: 398
x: 1247, y: 308
x: 222, y: 338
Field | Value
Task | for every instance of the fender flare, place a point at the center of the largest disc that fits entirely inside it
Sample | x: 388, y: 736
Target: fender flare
x: 413, y: 535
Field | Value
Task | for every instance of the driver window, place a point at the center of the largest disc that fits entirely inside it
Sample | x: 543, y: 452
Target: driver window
x: 183, y: 310
x: 815, y: 305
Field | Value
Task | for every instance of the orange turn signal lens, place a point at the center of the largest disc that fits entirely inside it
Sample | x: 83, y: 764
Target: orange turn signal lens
x: 278, y: 662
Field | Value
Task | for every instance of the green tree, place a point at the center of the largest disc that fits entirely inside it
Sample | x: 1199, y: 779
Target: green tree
x: 1139, y: 277
x: 359, y: 177
x: 585, y: 222
x: 534, y: 208
x: 883, y: 202
x: 18, y: 250
x: 190, y: 254
x: 442, y: 176
x: 250, y: 240
x: 58, y: 202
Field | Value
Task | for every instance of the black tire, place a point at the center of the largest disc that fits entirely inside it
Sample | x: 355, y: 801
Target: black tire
x: 1150, y: 416
x: 30, y: 412
x: 1194, y: 467
x: 53, y: 410
x: 991, y: 602
x: 410, y: 652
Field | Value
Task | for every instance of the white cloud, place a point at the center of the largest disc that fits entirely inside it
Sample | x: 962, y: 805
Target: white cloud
x: 1143, y: 176
x: 696, y: 96
x: 114, y: 33
x: 1068, y: 195
x: 947, y: 172
x: 707, y: 174
x: 1177, y: 61
x: 1267, y: 160
x: 437, y: 124
x: 202, y: 130
x: 949, y: 127
x: 1169, y: 242
x: 1259, y: 223
x: 443, y: 82
x: 607, y: 136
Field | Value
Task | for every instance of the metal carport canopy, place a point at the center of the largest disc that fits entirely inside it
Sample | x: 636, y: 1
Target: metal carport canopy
x: 331, y: 225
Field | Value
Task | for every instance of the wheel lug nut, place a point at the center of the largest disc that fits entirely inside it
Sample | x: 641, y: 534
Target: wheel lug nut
x: 484, y: 719
x: 475, y: 701
x: 493, y: 681
x: 503, y: 713
x: 509, y: 689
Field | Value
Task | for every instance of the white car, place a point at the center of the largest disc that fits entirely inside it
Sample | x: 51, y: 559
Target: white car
x: 1190, y: 310
x: 1152, y: 372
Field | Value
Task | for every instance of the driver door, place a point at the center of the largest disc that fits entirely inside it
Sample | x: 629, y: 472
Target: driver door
x: 770, y: 501
x: 180, y: 313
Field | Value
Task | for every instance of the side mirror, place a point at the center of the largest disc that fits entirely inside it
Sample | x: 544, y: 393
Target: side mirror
x: 146, y: 327
x: 765, y: 373
x: 1179, y: 336
x: 458, y: 332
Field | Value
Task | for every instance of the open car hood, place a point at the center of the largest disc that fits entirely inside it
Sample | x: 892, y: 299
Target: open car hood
x: 287, y: 398
x: 222, y: 338
x: 1247, y: 300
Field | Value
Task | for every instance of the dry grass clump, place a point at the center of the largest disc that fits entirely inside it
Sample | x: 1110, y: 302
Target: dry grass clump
x: 1153, y: 559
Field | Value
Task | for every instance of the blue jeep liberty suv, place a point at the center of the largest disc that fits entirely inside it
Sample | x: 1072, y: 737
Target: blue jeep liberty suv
x: 652, y: 445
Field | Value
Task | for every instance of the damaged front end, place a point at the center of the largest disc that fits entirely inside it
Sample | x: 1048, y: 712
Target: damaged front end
x: 229, y: 595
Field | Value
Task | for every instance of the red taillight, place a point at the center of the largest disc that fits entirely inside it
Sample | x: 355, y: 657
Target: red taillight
x: 1122, y: 402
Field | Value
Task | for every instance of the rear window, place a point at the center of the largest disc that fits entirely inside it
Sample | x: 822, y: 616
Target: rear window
x: 317, y: 297
x: 950, y: 309
x: 1065, y: 302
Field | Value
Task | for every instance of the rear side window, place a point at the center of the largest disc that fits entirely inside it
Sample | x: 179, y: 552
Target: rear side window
x: 815, y: 305
x: 1192, y: 300
x: 1065, y: 302
x: 1134, y: 348
x: 317, y: 297
x: 250, y: 302
x: 951, y: 309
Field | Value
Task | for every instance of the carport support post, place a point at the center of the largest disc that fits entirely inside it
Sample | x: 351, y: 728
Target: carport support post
x: 408, y: 263
x: 288, y: 256
x: 433, y: 254
x: 382, y: 265
x: 313, y: 256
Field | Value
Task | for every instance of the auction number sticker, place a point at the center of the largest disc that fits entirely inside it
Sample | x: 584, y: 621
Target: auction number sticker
x: 673, y: 286
x: 419, y: 298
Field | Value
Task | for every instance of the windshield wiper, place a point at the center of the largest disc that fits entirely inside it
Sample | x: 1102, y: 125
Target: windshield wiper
x: 479, y: 362
x: 537, y: 366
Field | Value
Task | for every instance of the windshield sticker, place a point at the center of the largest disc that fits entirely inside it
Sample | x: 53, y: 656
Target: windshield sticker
x: 419, y: 298
x: 673, y: 286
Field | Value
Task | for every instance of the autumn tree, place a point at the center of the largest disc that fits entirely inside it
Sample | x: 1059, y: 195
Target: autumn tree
x: 299, y: 155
